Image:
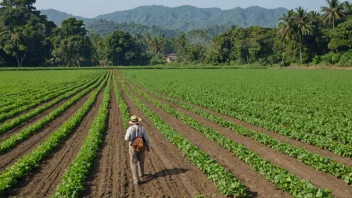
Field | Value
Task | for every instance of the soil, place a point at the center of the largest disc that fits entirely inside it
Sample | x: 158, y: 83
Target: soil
x: 26, y: 147
x: 257, y: 184
x: 31, y: 121
x: 168, y: 173
x: 44, y: 180
x: 347, y: 161
x: 295, y: 167
x: 30, y: 109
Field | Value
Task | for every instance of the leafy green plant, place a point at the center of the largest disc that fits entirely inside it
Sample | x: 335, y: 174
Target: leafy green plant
x: 224, y: 181
x: 22, y: 135
x: 314, y: 114
x: 18, y: 108
x: 72, y: 182
x: 284, y: 180
x: 311, y: 159
x: 21, y: 119
x: 25, y: 164
x: 122, y: 105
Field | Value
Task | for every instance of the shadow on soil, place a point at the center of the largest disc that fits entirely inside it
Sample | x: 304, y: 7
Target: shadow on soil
x: 163, y: 173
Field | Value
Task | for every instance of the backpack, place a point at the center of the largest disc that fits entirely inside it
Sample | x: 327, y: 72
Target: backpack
x: 138, y: 143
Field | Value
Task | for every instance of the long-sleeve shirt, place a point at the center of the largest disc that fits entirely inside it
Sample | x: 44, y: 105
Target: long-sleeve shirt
x: 131, y: 135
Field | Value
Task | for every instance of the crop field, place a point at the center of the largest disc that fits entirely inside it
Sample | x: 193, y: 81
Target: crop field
x: 213, y: 133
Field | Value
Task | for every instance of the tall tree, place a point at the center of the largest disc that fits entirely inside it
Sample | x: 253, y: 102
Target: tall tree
x: 123, y: 49
x: 332, y: 12
x: 71, y: 44
x: 100, y: 50
x: 341, y: 36
x: 304, y: 26
x: 286, y: 29
x: 157, y: 46
x: 347, y: 8
x: 181, y: 43
x: 23, y: 33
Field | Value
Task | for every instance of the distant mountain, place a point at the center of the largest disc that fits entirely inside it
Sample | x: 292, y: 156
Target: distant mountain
x: 187, y: 18
x: 105, y: 28
x: 162, y: 20
x: 57, y: 17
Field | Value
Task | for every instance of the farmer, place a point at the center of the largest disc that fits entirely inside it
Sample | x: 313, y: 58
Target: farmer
x: 138, y: 142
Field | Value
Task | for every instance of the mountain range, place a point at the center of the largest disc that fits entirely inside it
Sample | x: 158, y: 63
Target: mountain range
x: 183, y: 18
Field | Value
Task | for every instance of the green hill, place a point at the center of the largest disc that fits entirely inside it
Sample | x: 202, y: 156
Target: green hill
x: 188, y: 18
x: 162, y: 20
x: 58, y: 16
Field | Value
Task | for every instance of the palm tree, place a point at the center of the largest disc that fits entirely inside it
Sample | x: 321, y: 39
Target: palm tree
x: 232, y: 35
x: 157, y: 46
x: 304, y: 26
x: 286, y: 29
x: 286, y: 25
x: 333, y: 12
x: 181, y: 40
x: 347, y: 8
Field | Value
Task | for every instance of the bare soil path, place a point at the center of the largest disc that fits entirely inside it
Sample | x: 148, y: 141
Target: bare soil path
x: 168, y: 173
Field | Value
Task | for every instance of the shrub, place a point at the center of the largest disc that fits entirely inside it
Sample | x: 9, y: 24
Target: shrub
x: 156, y: 60
x: 346, y: 59
x: 331, y: 58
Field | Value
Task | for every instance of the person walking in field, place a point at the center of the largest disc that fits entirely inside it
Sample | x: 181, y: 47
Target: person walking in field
x: 138, y: 143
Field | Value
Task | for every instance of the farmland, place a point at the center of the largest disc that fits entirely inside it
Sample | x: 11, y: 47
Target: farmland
x: 214, y: 133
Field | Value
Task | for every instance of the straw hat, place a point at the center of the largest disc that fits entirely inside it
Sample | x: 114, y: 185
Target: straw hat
x: 135, y: 119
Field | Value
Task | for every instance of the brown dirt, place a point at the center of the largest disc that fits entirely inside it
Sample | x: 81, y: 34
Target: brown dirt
x: 26, y: 147
x: 168, y: 173
x: 43, y: 181
x: 26, y: 111
x: 31, y: 121
x: 295, y: 167
x: 325, y: 153
x: 257, y: 184
x: 35, y: 118
x: 108, y: 176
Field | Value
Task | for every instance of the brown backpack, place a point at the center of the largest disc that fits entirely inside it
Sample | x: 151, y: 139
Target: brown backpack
x: 139, y: 144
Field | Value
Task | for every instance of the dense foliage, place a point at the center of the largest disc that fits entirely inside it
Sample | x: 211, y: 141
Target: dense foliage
x: 301, y: 37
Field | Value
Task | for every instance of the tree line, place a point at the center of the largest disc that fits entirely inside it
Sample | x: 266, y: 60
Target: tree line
x: 27, y: 38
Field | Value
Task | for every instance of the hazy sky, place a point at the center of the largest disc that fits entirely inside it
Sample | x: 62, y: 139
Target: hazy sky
x: 92, y: 8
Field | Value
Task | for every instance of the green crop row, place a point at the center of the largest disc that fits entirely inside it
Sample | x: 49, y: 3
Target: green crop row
x: 284, y: 180
x: 34, y: 103
x: 29, y: 97
x: 311, y: 159
x: 21, y: 119
x: 72, y: 182
x: 224, y: 181
x: 122, y: 105
x: 26, y: 97
x: 274, y: 103
x: 25, y: 164
x: 18, y: 86
x: 12, y: 141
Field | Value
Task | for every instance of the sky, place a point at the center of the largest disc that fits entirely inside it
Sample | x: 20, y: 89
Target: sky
x: 93, y: 8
